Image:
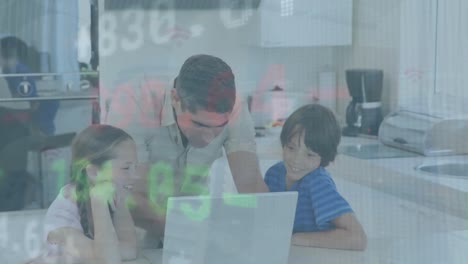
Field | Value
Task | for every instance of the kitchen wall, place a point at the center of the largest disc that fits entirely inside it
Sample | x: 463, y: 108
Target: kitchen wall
x: 205, y: 31
x: 376, y: 44
x: 432, y: 58
x: 301, y: 65
x: 418, y: 44
x: 161, y: 56
x: 376, y: 41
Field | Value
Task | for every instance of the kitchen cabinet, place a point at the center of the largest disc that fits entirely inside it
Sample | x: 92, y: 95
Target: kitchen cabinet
x: 302, y: 23
x: 451, y: 68
x: 432, y: 59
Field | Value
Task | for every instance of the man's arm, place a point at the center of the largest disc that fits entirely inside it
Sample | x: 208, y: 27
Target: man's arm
x: 144, y: 216
x: 241, y: 151
x: 144, y: 213
x: 246, y: 172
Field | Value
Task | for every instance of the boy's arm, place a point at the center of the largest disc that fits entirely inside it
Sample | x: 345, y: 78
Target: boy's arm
x: 348, y: 234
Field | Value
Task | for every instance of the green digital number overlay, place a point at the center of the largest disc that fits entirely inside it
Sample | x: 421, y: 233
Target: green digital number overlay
x: 201, y: 212
x: 243, y: 200
x: 189, y: 186
x: 161, y: 183
x: 59, y: 167
x: 156, y: 187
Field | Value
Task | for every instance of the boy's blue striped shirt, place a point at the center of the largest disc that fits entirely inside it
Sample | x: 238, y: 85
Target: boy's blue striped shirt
x: 319, y: 202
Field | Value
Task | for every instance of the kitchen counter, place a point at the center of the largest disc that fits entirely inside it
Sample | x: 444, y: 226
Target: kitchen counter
x: 399, y: 178
x: 408, y: 219
x: 407, y: 166
x: 429, y: 249
x: 398, y: 231
x: 269, y: 146
x: 395, y: 176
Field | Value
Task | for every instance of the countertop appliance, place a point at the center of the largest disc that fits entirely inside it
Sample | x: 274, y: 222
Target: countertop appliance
x: 425, y: 134
x: 363, y: 114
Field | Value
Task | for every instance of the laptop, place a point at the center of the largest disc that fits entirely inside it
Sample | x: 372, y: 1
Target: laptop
x: 232, y: 229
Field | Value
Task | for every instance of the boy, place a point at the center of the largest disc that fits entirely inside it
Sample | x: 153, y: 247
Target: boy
x: 310, y: 137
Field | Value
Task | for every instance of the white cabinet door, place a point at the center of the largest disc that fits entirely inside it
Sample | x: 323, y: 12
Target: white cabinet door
x: 417, y: 51
x: 451, y: 57
x: 299, y: 23
x: 272, y: 29
x: 433, y: 68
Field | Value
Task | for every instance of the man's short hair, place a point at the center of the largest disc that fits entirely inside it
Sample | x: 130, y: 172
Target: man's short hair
x: 206, y: 82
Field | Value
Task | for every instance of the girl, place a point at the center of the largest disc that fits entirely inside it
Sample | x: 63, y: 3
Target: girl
x: 89, y: 220
x: 310, y: 137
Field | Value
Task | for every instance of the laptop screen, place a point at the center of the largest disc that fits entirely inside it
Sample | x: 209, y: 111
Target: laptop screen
x: 230, y: 229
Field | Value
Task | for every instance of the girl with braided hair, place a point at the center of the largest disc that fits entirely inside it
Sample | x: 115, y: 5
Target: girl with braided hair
x: 89, y: 221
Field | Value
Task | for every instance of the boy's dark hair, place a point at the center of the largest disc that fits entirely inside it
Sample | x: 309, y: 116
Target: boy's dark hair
x: 206, y: 82
x: 322, y: 131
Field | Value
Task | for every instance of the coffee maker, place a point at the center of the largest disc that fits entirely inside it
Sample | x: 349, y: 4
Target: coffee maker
x: 364, y: 112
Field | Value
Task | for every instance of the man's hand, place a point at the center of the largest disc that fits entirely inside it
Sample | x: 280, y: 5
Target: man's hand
x: 143, y: 212
x: 246, y: 172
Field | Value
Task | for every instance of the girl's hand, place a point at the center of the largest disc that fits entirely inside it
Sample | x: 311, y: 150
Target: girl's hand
x: 120, y: 198
x: 104, y: 192
x: 107, y: 192
x: 125, y: 199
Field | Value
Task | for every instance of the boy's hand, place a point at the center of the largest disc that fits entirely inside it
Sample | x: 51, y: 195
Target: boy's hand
x: 298, y: 240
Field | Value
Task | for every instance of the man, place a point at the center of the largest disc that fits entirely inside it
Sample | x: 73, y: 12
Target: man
x: 185, y: 131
